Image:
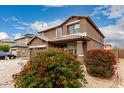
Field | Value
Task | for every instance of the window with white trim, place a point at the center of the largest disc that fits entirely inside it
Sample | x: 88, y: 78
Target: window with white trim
x: 59, y: 32
x: 72, y: 29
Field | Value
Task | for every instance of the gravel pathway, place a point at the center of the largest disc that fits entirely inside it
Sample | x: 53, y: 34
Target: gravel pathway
x: 121, y: 70
x: 116, y: 81
x: 94, y: 82
x: 7, y: 69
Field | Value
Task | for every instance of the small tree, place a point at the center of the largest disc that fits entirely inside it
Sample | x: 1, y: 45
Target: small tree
x: 52, y: 68
x: 4, y: 48
x: 115, y: 48
x: 100, y: 63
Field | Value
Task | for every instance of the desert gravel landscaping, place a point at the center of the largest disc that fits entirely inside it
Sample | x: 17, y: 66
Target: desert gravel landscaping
x: 121, y: 65
x: 94, y: 82
x: 10, y: 67
x: 117, y: 81
x: 7, y: 69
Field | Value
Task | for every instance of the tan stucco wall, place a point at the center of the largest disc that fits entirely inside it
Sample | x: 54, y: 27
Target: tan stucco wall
x: 52, y: 33
x: 65, y: 27
x: 38, y: 41
x: 22, y: 52
x: 34, y: 52
x: 82, y: 25
x: 93, y: 45
x: 93, y: 33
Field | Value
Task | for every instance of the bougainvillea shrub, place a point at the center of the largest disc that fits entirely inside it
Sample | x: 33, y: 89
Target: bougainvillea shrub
x: 53, y: 68
x: 100, y: 63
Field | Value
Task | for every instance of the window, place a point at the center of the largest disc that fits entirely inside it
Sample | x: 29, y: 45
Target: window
x: 72, y: 29
x: 72, y: 48
x: 59, y: 32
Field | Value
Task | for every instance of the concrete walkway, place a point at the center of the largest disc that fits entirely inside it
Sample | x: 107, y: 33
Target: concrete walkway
x: 7, y: 69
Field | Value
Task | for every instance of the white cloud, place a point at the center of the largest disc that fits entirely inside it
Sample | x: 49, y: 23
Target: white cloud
x: 115, y: 33
x: 38, y: 25
x: 115, y: 11
x: 3, y: 35
x: 30, y: 27
x: 100, y: 10
x: 20, y: 28
x: 49, y: 6
x: 98, y: 17
x: 9, y: 19
x: 23, y: 23
x: 55, y: 22
x: 17, y: 35
x: 13, y: 18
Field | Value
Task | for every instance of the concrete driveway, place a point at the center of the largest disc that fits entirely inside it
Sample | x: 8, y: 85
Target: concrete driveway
x: 7, y: 69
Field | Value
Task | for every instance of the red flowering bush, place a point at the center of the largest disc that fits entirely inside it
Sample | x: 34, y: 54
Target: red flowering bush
x: 100, y: 63
x: 52, y: 68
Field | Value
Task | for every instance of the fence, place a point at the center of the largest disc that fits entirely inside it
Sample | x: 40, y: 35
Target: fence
x: 119, y: 53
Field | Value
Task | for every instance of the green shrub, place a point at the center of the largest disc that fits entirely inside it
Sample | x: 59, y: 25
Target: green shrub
x: 51, y: 68
x: 4, y: 48
x: 100, y: 63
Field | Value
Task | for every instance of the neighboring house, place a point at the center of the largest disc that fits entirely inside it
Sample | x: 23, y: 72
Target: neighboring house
x: 77, y: 34
x: 108, y: 47
x: 20, y: 48
x: 6, y: 42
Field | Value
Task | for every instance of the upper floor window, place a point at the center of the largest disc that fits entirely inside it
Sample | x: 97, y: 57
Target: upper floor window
x: 72, y: 29
x: 59, y: 32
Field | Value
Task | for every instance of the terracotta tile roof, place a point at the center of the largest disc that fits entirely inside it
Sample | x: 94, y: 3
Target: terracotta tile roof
x: 77, y: 36
x: 81, y: 36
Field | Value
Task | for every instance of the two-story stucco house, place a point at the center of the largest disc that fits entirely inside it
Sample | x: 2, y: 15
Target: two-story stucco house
x: 20, y: 48
x: 77, y: 34
x: 6, y: 42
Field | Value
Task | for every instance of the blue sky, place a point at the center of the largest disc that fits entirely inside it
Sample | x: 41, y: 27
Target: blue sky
x: 16, y: 21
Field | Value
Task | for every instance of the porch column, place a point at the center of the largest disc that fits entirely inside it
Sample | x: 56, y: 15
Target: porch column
x: 80, y: 52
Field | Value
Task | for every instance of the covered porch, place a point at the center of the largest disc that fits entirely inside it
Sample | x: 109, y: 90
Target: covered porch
x: 75, y: 45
